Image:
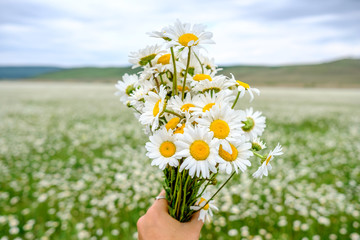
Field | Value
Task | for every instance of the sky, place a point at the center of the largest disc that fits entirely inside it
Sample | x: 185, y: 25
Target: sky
x: 72, y: 33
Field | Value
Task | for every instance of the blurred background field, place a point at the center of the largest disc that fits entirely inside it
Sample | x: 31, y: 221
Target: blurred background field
x: 73, y: 166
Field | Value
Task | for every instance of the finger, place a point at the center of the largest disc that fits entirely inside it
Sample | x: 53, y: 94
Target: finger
x: 195, y: 222
x: 161, y: 204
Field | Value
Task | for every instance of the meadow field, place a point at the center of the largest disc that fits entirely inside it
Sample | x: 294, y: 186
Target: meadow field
x: 73, y: 166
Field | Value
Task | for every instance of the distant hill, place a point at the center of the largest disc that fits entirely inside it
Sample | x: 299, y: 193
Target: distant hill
x: 341, y: 73
x: 11, y: 72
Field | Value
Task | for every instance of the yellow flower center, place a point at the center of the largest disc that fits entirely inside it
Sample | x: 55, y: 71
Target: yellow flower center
x: 200, y: 77
x: 204, y: 200
x: 172, y: 123
x: 167, y: 149
x: 245, y: 85
x: 227, y: 156
x: 180, y: 129
x: 268, y: 159
x: 186, y: 38
x: 156, y: 108
x: 186, y: 107
x: 180, y: 88
x: 220, y: 128
x: 208, y: 107
x: 164, y: 59
x: 199, y: 150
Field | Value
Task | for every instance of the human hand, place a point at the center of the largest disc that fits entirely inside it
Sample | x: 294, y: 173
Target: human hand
x: 157, y: 224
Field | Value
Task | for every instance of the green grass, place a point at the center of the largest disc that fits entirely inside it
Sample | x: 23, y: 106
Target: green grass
x: 341, y: 73
x: 72, y: 162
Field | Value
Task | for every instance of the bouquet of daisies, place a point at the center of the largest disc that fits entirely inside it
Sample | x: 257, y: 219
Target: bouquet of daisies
x: 188, y: 110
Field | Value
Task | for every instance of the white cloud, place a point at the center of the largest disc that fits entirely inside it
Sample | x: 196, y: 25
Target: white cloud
x: 97, y: 32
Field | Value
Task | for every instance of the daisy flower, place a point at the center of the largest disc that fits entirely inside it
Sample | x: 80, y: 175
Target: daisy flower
x: 209, y: 64
x: 178, y: 125
x: 126, y: 87
x: 205, y: 210
x: 254, y: 124
x: 164, y: 63
x: 159, y: 34
x: 181, y: 106
x: 180, y: 86
x: 172, y: 122
x: 144, y: 56
x: 257, y: 144
x: 243, y: 87
x: 265, y: 165
x: 223, y: 122
x: 238, y: 159
x: 204, y: 102
x: 217, y: 84
x: 154, y: 106
x: 162, y: 149
x: 198, y: 77
x: 198, y: 148
x: 147, y: 74
x: 185, y: 35
x: 137, y: 96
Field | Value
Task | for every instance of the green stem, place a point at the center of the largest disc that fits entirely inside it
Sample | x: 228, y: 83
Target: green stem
x: 174, y: 113
x: 135, y: 109
x: 218, y: 190
x: 174, y: 92
x: 237, y: 97
x: 164, y: 109
x: 207, y: 184
x: 258, y: 155
x: 156, y: 81
x: 185, y: 190
x: 161, y: 79
x: 202, y: 67
x: 178, y: 198
x: 186, y: 72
